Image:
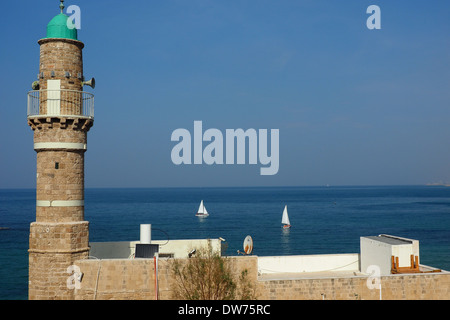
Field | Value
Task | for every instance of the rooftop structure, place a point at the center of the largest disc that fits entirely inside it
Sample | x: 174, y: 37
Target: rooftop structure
x: 390, y: 253
x: 323, y: 276
x: 375, y: 250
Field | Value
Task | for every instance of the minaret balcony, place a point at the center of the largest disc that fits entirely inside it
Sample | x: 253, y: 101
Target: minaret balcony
x: 60, y: 104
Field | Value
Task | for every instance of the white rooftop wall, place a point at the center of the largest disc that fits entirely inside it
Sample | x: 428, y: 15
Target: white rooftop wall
x: 308, y: 263
x: 175, y: 248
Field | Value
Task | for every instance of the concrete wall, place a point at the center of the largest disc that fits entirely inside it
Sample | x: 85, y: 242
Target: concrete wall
x: 403, y: 252
x: 181, y: 248
x: 308, y: 263
x: 112, y: 250
x: 175, y: 248
x: 375, y: 253
x: 135, y: 279
x: 415, y: 244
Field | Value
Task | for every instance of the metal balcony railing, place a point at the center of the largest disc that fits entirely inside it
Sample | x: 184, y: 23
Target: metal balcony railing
x: 60, y: 103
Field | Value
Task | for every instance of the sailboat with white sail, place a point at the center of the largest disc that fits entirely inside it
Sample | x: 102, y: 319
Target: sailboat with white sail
x: 285, y: 219
x: 202, y: 212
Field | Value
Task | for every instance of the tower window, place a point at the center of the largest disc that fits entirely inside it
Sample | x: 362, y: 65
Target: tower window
x: 56, y: 165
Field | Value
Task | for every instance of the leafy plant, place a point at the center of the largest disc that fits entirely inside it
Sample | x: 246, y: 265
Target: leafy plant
x: 209, y: 276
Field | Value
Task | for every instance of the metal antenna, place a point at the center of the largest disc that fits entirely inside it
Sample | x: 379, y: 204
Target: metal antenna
x: 61, y: 6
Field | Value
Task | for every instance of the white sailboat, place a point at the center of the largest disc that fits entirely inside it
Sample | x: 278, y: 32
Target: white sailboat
x: 202, y: 212
x: 285, y: 219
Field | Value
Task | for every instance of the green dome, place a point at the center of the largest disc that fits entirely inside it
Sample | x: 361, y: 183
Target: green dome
x: 57, y: 28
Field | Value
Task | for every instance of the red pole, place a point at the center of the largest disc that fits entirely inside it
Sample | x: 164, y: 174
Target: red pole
x: 156, y: 277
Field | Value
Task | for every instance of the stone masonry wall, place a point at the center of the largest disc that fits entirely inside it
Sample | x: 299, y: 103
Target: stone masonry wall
x: 395, y: 287
x: 134, y: 279
x: 60, y: 56
x: 61, y: 59
x: 54, y: 287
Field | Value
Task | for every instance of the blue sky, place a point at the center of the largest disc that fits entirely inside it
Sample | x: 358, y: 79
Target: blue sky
x: 353, y: 106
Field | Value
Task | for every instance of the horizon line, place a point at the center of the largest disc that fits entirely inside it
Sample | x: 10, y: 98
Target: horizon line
x: 259, y: 186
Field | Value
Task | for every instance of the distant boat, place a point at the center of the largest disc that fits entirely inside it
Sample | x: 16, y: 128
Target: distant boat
x: 202, y: 210
x: 285, y: 219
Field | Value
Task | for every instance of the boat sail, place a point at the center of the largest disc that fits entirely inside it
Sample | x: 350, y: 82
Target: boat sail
x: 202, y: 212
x: 285, y: 219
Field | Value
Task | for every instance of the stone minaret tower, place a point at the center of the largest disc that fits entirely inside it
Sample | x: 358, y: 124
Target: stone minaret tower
x: 60, y: 114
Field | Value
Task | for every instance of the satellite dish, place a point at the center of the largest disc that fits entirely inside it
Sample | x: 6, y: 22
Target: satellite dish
x: 248, y: 245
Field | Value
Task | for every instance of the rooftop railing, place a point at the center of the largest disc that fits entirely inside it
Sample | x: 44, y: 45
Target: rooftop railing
x: 60, y: 103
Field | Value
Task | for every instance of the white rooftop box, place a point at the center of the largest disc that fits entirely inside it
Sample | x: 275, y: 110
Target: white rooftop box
x: 384, y: 250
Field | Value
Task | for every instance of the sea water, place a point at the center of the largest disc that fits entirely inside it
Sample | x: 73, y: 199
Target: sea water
x: 325, y: 220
